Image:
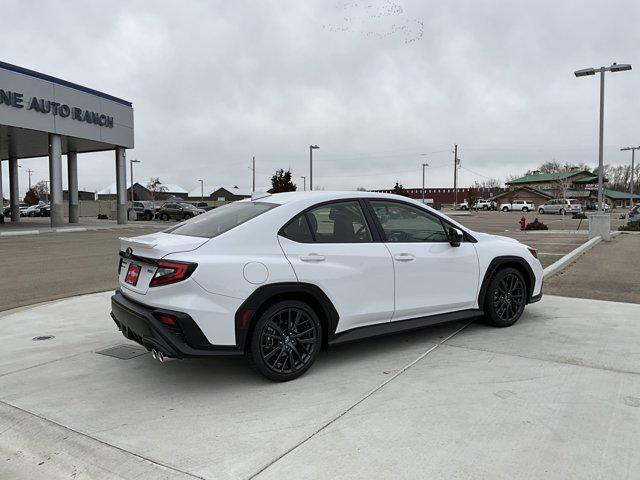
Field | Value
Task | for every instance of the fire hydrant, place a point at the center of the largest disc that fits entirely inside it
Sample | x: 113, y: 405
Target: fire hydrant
x: 522, y: 223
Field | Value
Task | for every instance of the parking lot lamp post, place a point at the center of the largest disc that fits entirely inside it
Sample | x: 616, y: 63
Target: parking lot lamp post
x: 201, y: 190
x: 132, y: 161
x: 592, y: 71
x: 633, y: 154
x: 304, y: 183
x: 424, y: 166
x: 311, y: 149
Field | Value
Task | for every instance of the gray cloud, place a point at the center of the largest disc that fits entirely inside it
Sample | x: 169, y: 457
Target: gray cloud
x: 374, y: 83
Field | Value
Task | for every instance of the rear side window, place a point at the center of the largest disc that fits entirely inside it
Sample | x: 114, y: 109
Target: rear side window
x: 298, y: 230
x: 221, y: 219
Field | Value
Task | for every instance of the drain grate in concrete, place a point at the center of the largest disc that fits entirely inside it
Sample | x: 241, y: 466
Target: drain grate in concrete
x: 123, y: 352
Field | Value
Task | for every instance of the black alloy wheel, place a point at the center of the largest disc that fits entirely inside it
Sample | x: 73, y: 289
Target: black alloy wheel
x: 506, y: 298
x: 164, y: 217
x: 525, y: 209
x: 286, y: 341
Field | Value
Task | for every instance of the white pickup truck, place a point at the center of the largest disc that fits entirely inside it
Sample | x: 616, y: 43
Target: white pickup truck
x: 518, y: 206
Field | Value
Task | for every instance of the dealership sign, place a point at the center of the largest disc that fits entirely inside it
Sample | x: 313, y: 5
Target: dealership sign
x: 48, y: 107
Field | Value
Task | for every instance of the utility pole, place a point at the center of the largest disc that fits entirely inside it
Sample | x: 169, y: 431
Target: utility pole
x: 455, y: 176
x: 29, y: 172
x: 633, y: 154
x: 253, y: 167
x: 304, y: 183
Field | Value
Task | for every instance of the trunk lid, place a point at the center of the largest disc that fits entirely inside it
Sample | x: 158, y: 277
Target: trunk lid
x: 135, y: 271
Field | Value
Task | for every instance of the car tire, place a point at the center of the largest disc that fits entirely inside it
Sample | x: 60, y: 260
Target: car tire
x: 484, y: 207
x: 561, y: 211
x: 541, y: 211
x: 164, y: 217
x: 277, y: 332
x: 147, y: 216
x: 464, y: 208
x: 187, y: 216
x: 506, y: 298
x: 505, y: 209
x: 525, y: 209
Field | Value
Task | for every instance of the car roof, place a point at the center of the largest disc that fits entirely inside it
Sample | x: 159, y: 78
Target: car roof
x: 318, y: 196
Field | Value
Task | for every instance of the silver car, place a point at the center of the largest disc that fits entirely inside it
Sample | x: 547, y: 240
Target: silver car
x: 561, y: 206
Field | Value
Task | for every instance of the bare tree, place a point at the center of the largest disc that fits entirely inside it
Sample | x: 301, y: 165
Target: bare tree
x: 156, y: 188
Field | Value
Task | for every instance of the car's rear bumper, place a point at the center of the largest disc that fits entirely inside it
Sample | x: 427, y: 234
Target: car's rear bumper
x: 183, y: 339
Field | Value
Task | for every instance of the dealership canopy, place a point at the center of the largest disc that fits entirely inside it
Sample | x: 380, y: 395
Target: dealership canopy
x: 41, y: 115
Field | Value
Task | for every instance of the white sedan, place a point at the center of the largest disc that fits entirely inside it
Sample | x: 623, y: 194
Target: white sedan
x: 278, y: 277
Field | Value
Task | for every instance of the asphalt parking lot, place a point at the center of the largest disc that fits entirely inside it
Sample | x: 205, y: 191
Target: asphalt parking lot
x: 555, y: 396
x: 564, y: 235
x: 57, y: 265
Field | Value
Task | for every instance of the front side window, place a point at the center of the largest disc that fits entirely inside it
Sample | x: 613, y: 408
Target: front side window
x: 404, y: 223
x: 222, y: 219
x: 339, y: 222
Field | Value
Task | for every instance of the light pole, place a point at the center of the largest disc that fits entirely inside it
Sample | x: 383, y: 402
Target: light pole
x: 253, y: 167
x: 311, y: 149
x: 424, y: 166
x: 201, y: 190
x: 633, y: 154
x: 592, y: 71
x: 132, y: 161
x: 304, y: 182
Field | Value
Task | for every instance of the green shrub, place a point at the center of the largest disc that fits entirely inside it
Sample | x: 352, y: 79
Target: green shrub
x: 631, y: 227
x: 579, y: 216
x: 102, y: 216
x: 536, y: 225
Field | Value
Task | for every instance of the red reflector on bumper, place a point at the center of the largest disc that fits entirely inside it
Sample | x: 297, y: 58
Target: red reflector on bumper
x: 245, y: 318
x: 166, y: 319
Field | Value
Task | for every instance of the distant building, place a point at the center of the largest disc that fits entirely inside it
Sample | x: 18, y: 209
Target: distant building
x: 446, y: 195
x: 82, y: 195
x: 573, y: 183
x: 210, y: 193
x: 140, y: 192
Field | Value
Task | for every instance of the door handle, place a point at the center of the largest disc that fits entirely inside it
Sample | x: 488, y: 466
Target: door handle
x: 404, y: 257
x: 312, y: 257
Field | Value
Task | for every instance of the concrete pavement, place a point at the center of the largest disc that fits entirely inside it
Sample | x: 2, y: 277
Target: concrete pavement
x: 555, y: 396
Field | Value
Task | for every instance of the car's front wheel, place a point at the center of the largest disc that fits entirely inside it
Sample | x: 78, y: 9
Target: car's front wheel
x: 505, y: 209
x: 506, y: 298
x: 525, y: 209
x: 285, y: 341
x: 541, y: 211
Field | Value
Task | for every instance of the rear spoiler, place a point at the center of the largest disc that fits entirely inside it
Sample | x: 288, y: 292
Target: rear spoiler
x: 139, y: 243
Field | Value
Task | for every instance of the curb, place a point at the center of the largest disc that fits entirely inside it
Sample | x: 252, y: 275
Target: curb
x: 558, y: 266
x: 69, y: 230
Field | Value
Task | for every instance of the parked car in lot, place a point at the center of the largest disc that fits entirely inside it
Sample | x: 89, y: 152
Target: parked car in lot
x: 463, y: 206
x: 178, y: 211
x: 634, y: 214
x: 561, y: 206
x: 145, y: 210
x: 483, y: 204
x: 278, y: 277
x: 204, y: 206
x: 518, y: 206
x: 7, y: 210
x: 594, y: 206
x: 45, y: 209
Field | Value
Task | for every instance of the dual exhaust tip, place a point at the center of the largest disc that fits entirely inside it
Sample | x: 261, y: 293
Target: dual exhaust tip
x: 161, y: 357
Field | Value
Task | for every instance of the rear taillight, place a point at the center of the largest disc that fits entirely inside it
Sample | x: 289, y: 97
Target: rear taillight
x: 172, y: 272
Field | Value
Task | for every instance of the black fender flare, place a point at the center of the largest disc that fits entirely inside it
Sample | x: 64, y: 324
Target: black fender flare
x: 507, y: 261
x: 250, y: 310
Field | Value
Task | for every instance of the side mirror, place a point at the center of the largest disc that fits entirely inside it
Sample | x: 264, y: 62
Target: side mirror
x: 455, y: 236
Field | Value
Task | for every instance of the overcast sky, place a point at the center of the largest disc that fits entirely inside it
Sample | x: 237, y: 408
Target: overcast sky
x: 374, y: 83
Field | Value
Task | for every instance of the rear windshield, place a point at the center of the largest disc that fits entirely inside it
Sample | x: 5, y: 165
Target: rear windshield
x: 221, y: 219
x: 573, y: 202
